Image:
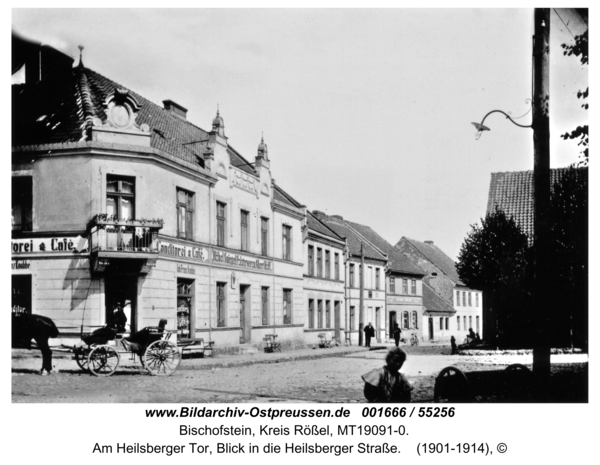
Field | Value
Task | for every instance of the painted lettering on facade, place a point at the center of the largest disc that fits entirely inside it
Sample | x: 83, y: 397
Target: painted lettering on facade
x: 239, y: 260
x: 183, y: 251
x: 403, y: 300
x: 54, y: 244
x: 21, y: 265
x: 185, y: 269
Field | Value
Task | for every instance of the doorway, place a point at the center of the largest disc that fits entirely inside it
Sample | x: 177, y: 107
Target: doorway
x: 121, y: 290
x: 336, y: 317
x: 244, y: 307
x: 378, y: 323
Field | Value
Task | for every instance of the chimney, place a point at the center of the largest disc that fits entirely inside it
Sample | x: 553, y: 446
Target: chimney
x: 429, y: 242
x: 319, y: 213
x: 175, y: 109
x: 339, y: 217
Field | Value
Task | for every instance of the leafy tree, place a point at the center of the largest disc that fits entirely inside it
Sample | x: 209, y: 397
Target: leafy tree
x: 580, y: 49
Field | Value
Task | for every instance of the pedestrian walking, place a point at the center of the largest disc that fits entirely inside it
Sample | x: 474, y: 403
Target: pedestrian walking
x: 397, y: 334
x: 387, y: 384
x: 369, y: 333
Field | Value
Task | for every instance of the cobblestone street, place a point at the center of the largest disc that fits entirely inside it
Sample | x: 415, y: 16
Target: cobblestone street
x: 321, y: 375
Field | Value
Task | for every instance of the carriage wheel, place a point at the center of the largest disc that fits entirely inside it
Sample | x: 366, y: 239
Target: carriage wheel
x: 518, y: 383
x: 452, y: 385
x: 161, y: 358
x: 103, y: 361
x: 81, y: 357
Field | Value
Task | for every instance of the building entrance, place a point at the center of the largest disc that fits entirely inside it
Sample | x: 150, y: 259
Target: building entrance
x: 21, y: 293
x: 430, y: 328
x: 244, y: 314
x: 121, y: 291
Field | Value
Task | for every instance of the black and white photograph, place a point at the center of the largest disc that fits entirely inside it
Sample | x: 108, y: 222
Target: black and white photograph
x: 300, y: 206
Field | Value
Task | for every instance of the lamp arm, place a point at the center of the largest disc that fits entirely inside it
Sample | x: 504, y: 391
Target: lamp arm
x: 507, y: 117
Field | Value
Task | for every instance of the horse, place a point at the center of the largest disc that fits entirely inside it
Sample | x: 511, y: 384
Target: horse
x: 25, y: 327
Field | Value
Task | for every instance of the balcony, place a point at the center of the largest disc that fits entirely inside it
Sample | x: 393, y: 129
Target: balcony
x: 124, y: 243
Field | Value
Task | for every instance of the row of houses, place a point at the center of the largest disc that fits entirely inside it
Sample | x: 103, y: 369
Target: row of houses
x: 119, y: 202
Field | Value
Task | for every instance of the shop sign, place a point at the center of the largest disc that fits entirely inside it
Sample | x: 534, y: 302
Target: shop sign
x: 53, y: 244
x: 183, y: 251
x: 403, y: 300
x: 185, y: 269
x: 21, y: 265
x: 240, y: 260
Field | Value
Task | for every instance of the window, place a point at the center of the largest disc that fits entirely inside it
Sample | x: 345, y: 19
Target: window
x: 405, y: 322
x: 458, y: 323
x: 221, y: 303
x: 185, y: 214
x: 470, y: 322
x: 447, y: 323
x: 328, y: 314
x: 22, y: 203
x: 352, y: 275
x: 336, y: 264
x: 311, y: 313
x: 319, y: 313
x: 311, y: 260
x: 464, y: 299
x: 477, y: 299
x: 392, y: 285
x: 327, y: 264
x: 221, y: 223
x: 120, y: 197
x: 470, y: 300
x: 464, y: 323
x: 264, y: 236
x: 185, y: 289
x: 244, y: 217
x: 413, y: 286
x: 477, y: 324
x: 352, y: 318
x: 441, y: 323
x: 265, y: 305
x: 415, y: 321
x: 377, y: 278
x: 319, y: 262
x: 287, y: 242
x: 404, y: 286
x: 287, y: 306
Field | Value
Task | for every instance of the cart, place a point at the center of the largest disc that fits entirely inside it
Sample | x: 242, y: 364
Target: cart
x: 104, y: 347
x: 513, y: 384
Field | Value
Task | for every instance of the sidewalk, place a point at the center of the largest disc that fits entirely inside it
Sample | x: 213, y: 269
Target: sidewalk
x: 31, y: 359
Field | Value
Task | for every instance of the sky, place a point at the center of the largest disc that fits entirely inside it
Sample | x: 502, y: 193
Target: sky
x: 366, y: 112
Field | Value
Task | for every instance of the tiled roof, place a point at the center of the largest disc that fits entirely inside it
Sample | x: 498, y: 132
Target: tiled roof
x: 282, y: 196
x: 434, y: 303
x: 317, y: 225
x: 432, y: 253
x: 512, y: 192
x: 396, y: 259
x: 353, y: 239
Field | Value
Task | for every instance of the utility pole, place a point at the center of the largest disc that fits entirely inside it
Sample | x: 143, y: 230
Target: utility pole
x: 541, y: 193
x: 361, y: 311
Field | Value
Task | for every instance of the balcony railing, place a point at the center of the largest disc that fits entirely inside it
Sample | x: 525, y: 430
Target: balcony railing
x: 127, y: 236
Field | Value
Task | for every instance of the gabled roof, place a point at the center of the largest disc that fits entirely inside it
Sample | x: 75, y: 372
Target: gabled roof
x: 282, y: 196
x: 396, y: 259
x: 432, y: 253
x: 315, y: 224
x: 433, y: 303
x: 353, y: 239
x: 512, y: 192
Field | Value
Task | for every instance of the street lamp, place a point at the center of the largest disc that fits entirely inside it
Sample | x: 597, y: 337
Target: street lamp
x: 480, y: 127
x: 541, y: 190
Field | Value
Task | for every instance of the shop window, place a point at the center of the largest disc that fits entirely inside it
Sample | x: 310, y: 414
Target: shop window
x: 22, y: 203
x: 265, y: 305
x: 221, y: 304
x: 21, y: 293
x: 244, y: 217
x: 287, y: 306
x: 185, y: 288
x: 311, y: 313
x: 327, y: 264
x: 221, y: 223
x: 328, y: 314
x: 336, y: 264
x: 264, y: 236
x: 185, y: 214
x: 392, y: 285
x: 311, y: 260
x: 415, y: 320
x: 287, y: 242
x: 120, y: 197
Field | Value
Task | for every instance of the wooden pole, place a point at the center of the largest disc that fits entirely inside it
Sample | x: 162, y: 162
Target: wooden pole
x: 361, y: 314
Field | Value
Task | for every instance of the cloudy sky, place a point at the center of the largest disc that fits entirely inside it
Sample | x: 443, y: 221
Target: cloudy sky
x: 367, y: 113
